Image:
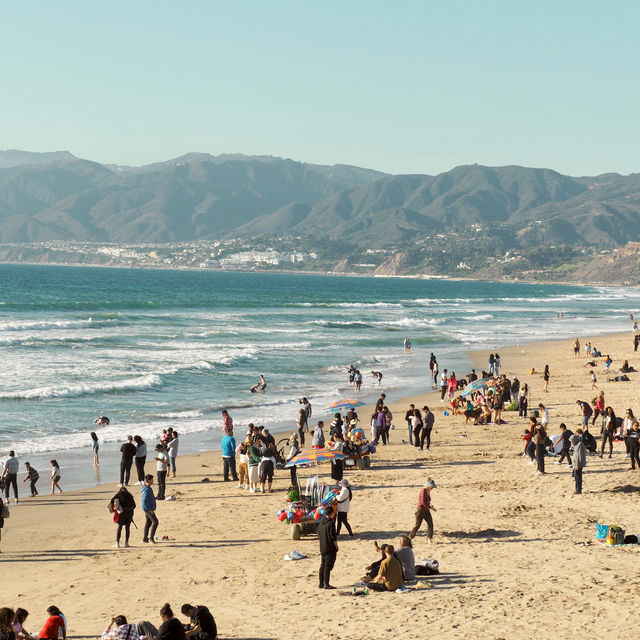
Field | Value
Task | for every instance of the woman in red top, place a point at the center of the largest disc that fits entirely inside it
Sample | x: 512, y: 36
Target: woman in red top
x: 598, y: 407
x: 54, y: 627
x: 452, y: 384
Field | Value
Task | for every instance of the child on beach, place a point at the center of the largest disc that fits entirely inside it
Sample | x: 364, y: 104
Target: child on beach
x: 32, y: 476
x: 55, y: 477
x: 593, y: 380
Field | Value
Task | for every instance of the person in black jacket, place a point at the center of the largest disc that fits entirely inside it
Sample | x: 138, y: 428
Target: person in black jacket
x: 124, y: 505
x: 171, y: 628
x: 328, y: 548
x: 128, y: 450
x: 203, y: 626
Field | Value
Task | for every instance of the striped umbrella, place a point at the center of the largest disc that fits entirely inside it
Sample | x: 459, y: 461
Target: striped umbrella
x: 316, y: 456
x: 475, y: 386
x: 343, y: 405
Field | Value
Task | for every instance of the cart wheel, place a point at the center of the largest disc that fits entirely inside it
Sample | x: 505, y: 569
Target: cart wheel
x: 367, y: 462
x: 361, y: 464
x: 295, y: 532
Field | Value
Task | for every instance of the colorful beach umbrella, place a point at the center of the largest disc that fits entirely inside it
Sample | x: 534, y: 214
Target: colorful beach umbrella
x: 315, y: 456
x: 476, y: 385
x: 343, y: 405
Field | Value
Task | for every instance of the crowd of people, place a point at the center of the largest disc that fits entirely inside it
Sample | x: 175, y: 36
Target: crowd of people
x: 201, y: 625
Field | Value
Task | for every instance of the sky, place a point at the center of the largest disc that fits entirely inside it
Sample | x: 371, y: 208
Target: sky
x: 402, y: 87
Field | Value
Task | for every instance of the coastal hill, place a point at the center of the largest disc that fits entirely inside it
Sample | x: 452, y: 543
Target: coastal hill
x: 56, y: 196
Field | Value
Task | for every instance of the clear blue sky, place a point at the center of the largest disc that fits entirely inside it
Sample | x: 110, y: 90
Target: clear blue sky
x: 404, y: 87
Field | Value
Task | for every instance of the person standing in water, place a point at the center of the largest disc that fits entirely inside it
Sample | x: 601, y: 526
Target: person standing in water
x: 95, y: 447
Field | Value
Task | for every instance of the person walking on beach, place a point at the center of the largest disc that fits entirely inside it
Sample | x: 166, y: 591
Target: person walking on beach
x: 228, y: 446
x: 55, y: 476
x: 579, y: 461
x: 328, y: 537
x: 523, y: 400
x: 545, y: 377
x: 227, y: 423
x: 598, y: 407
x: 10, y: 476
x: 302, y: 424
x: 592, y: 375
x: 443, y: 385
x: 576, y: 348
x: 124, y: 505
x: 149, y: 509
x: 128, y: 451
x: 541, y: 448
x: 565, y: 436
x: 609, y: 425
x: 408, y: 416
x: 633, y: 439
x: 344, y: 502
x: 162, y: 464
x: 140, y: 458
x: 587, y: 412
x: 496, y: 365
x: 32, y: 476
x: 95, y: 447
x: 423, y: 512
x: 492, y: 362
x: 427, y: 426
x: 172, y: 452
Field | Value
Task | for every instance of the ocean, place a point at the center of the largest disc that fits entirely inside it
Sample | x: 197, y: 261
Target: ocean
x: 153, y: 349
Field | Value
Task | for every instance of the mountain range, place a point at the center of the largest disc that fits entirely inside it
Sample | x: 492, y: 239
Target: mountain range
x: 57, y: 196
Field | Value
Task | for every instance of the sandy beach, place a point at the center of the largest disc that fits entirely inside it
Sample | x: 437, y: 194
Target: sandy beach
x: 517, y: 553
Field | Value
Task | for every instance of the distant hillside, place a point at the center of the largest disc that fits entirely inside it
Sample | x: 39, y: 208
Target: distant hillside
x: 56, y: 196
x: 195, y: 196
x: 539, y: 205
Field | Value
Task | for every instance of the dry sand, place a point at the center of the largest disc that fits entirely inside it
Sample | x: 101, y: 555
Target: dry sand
x: 516, y: 551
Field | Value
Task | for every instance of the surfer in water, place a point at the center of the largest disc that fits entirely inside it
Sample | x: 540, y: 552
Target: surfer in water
x: 259, y: 387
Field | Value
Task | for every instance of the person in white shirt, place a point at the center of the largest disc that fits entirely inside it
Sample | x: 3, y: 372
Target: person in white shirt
x: 10, y: 476
x: 344, y: 502
x: 162, y: 464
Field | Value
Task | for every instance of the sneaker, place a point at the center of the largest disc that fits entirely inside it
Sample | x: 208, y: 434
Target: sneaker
x: 246, y: 486
x: 116, y: 545
x: 556, y: 462
x: 239, y: 486
x: 252, y: 490
x: 126, y: 544
x: 145, y: 541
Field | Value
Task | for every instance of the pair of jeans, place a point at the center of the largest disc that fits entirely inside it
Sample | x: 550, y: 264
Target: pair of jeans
x: 607, y: 436
x: 172, y: 460
x: 140, y: 461
x: 541, y: 451
x: 150, y: 526
x: 577, y: 474
x: 32, y: 484
x: 634, y: 452
x: 426, y: 435
x: 423, y: 514
x: 162, y: 482
x: 327, y: 562
x: 125, y: 471
x: 410, y: 432
x: 127, y: 530
x: 229, y: 467
x: 11, y: 480
x: 565, y: 453
x: 416, y: 434
x: 522, y: 409
x: 301, y: 436
x: 342, y: 520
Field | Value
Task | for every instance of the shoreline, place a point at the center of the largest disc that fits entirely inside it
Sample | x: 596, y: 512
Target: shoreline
x: 346, y: 274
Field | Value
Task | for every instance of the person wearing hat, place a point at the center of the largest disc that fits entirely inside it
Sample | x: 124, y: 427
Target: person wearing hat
x: 344, y: 501
x: 579, y: 460
x: 423, y: 512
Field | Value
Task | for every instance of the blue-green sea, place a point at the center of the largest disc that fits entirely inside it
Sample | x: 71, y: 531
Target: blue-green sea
x: 157, y: 348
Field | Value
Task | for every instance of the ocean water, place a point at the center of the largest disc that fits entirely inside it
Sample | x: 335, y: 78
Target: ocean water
x: 158, y: 348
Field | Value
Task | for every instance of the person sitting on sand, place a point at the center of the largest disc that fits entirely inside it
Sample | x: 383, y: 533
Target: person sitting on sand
x: 55, y: 625
x: 202, y: 625
x: 171, y: 628
x: 404, y: 553
x: 120, y: 629
x: 389, y: 576
x: 372, y: 570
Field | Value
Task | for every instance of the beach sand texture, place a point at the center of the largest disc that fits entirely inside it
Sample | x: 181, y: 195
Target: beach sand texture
x: 517, y: 553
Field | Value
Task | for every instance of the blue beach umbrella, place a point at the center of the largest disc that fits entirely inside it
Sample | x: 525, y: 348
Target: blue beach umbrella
x: 476, y: 385
x: 343, y: 405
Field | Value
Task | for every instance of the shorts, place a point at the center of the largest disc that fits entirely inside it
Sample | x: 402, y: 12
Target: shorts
x: 253, y: 473
x: 56, y: 479
x: 266, y: 472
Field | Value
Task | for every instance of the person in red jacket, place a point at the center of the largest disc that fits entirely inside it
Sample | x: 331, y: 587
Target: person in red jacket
x: 424, y: 510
